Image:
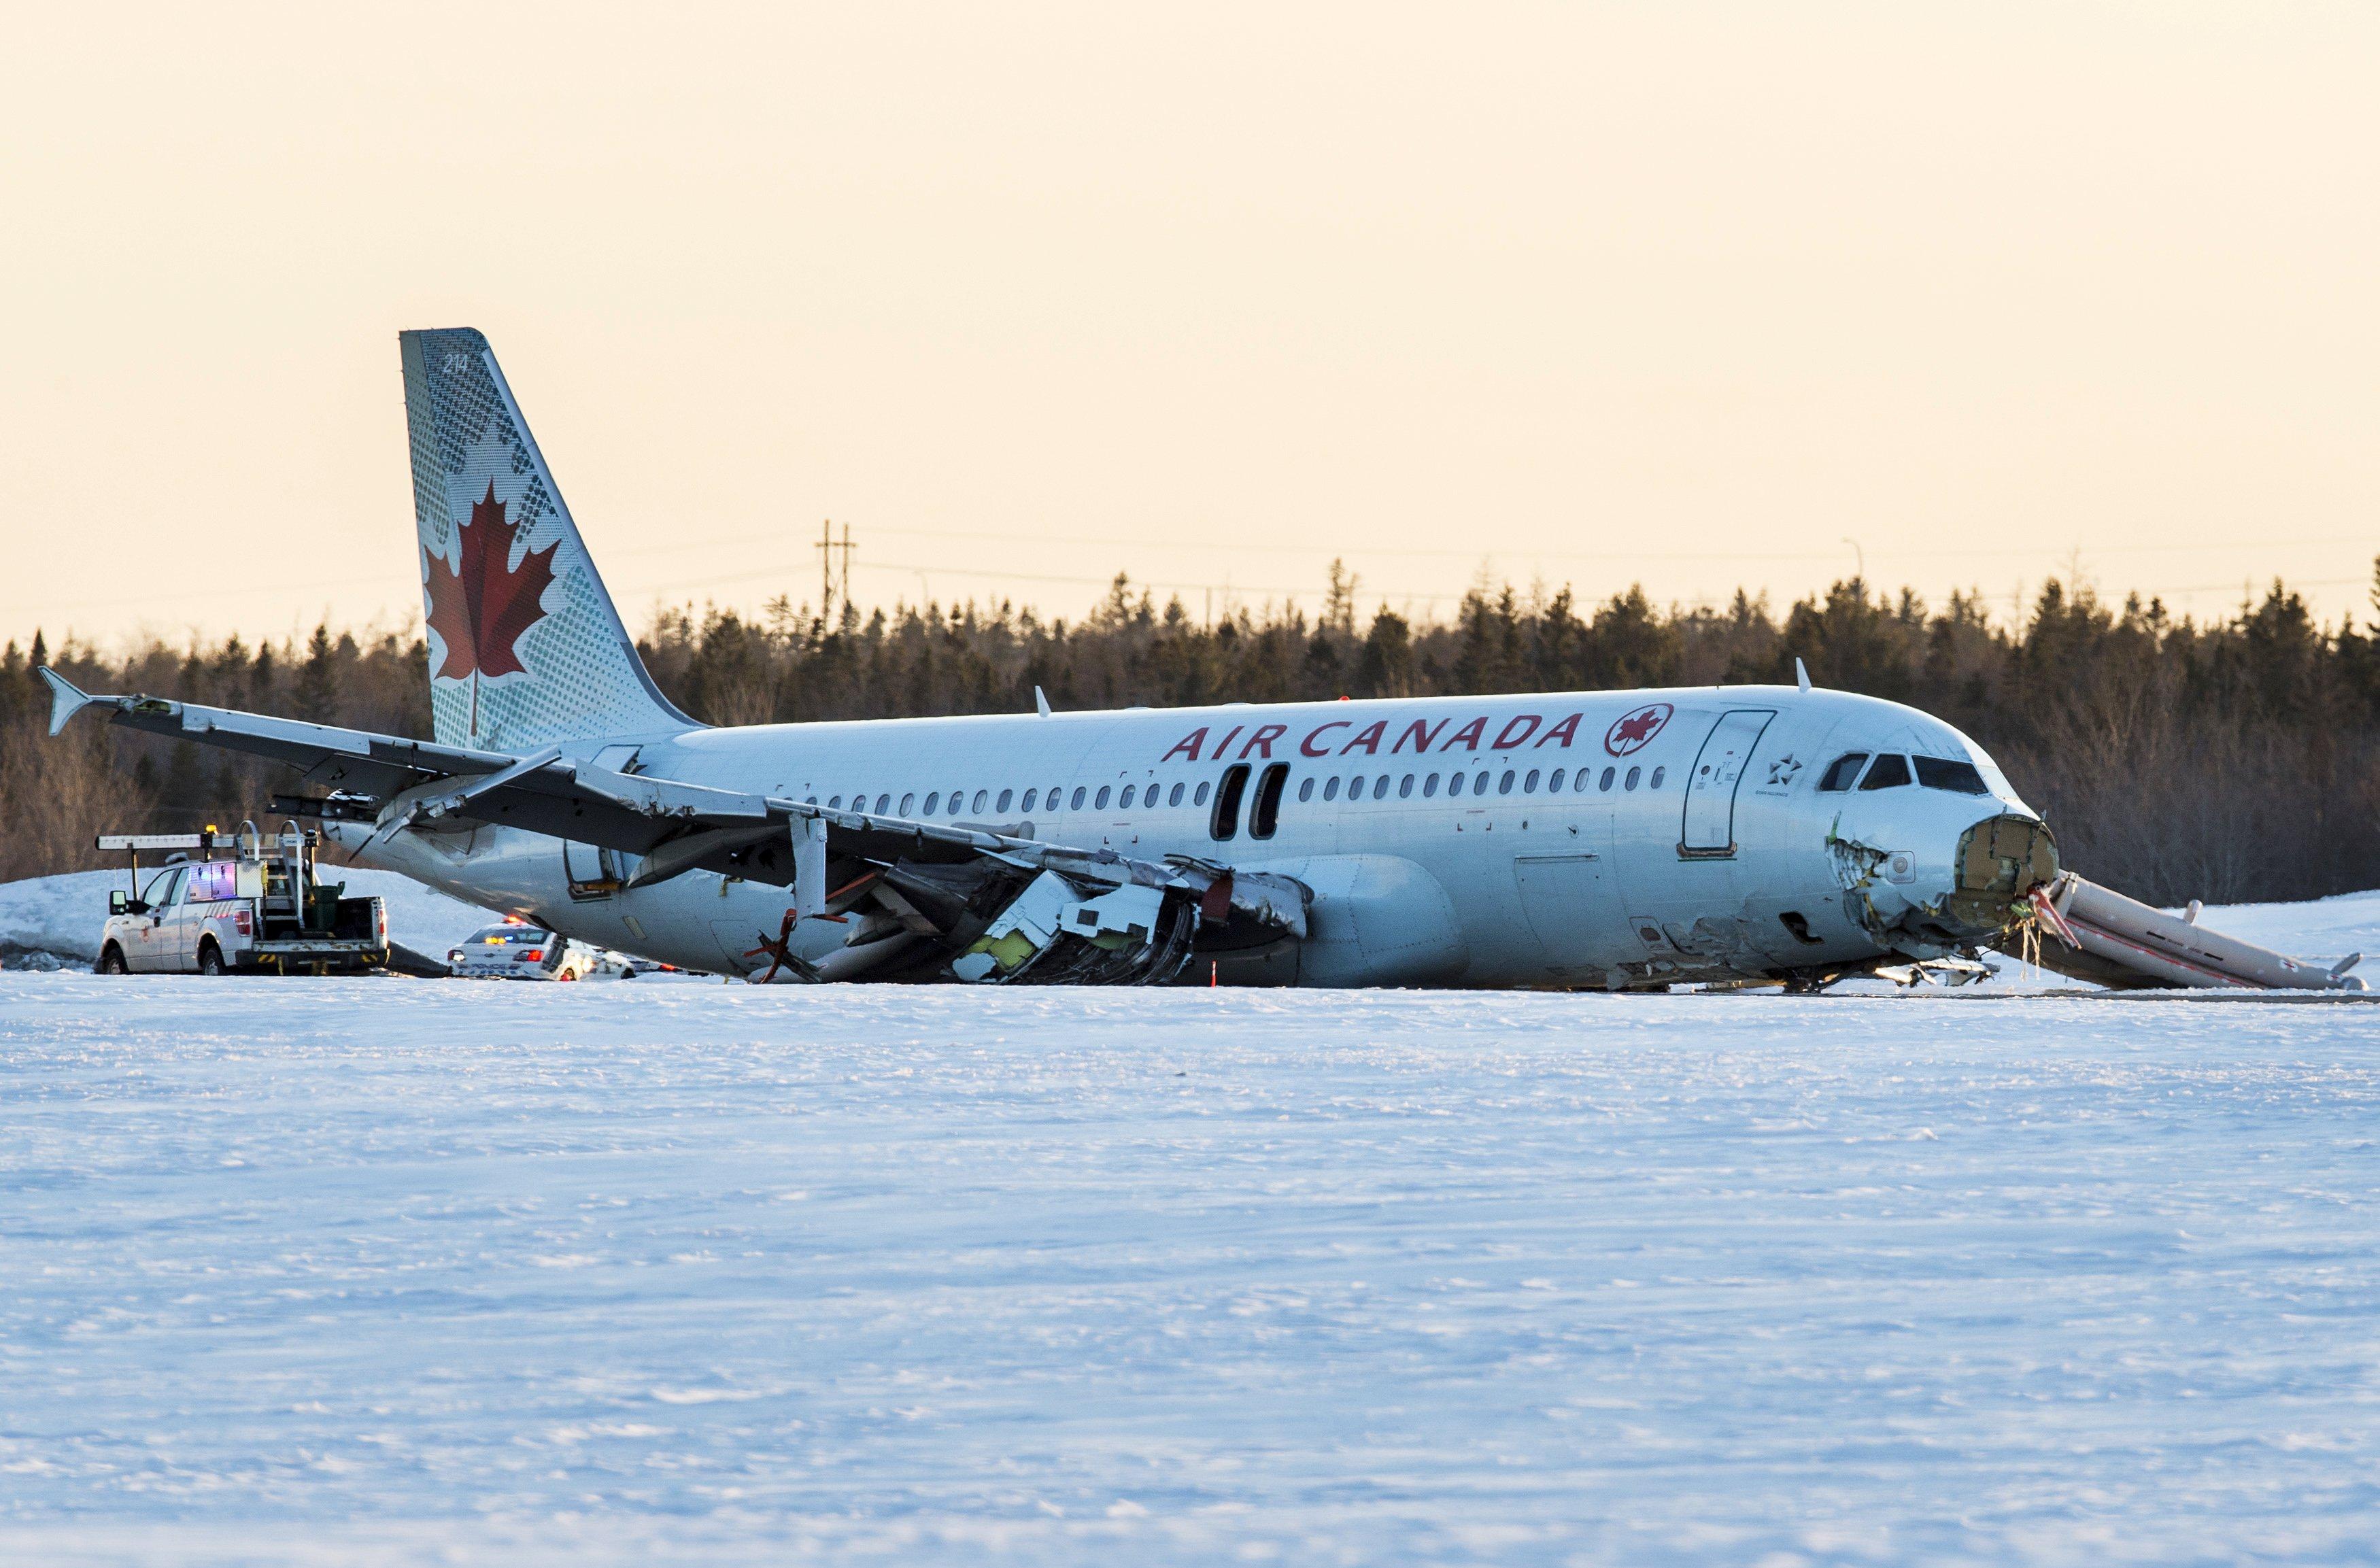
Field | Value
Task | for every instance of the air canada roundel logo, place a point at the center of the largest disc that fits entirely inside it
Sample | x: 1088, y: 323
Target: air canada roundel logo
x: 1635, y: 731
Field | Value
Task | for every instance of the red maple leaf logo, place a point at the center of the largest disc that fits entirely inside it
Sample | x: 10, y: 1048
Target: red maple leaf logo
x: 1632, y: 732
x: 482, y: 610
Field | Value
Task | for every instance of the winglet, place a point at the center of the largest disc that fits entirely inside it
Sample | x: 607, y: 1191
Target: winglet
x: 1040, y: 703
x: 1800, y: 675
x: 64, y: 700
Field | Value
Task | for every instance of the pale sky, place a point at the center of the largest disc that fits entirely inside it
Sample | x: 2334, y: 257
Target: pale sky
x: 1688, y: 295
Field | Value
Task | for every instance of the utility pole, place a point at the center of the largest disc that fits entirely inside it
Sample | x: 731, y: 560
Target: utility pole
x: 827, y: 577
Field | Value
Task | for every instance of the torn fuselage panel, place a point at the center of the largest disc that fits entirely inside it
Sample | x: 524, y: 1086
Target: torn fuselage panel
x: 1907, y: 906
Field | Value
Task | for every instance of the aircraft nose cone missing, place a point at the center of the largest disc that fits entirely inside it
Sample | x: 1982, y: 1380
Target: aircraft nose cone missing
x: 2000, y: 861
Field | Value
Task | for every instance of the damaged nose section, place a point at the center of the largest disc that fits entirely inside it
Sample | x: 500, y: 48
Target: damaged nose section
x: 2000, y: 861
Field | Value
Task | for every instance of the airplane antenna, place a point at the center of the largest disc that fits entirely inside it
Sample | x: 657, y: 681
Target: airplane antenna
x: 1800, y: 675
x: 1040, y: 703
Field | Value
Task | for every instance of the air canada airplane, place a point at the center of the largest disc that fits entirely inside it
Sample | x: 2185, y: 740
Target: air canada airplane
x: 1612, y: 840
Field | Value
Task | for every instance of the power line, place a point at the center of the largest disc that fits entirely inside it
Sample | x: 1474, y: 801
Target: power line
x: 907, y: 568
x: 1194, y: 545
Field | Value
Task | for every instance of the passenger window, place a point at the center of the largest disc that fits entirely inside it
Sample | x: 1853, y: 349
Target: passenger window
x: 1330, y: 788
x: 1129, y: 791
x: 1430, y: 786
x: 1026, y: 804
x: 834, y: 803
x: 1958, y: 778
x: 1304, y: 787
x: 1225, y: 822
x: 1634, y: 775
x: 1659, y: 775
x: 1198, y: 795
x: 1174, y: 795
x: 1889, y: 771
x: 1529, y: 784
x: 933, y: 801
x: 982, y: 798
x: 1265, y: 814
x: 1608, y: 775
x: 1553, y: 784
x: 1579, y: 784
x: 1005, y: 796
x: 1504, y: 784
x: 1099, y: 801
x: 907, y: 801
x: 1077, y: 804
x: 1405, y: 787
x: 1355, y: 787
x: 1843, y: 771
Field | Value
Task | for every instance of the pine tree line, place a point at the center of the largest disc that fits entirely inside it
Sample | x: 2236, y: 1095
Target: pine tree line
x: 2227, y: 759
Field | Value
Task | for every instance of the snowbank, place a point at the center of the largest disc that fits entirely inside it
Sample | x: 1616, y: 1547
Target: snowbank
x: 61, y: 915
x: 2324, y: 931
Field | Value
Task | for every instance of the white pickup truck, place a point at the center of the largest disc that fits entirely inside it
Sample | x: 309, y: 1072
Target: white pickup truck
x: 246, y: 903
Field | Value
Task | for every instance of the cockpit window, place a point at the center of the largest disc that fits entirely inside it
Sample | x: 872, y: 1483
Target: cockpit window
x: 1959, y: 778
x: 1889, y: 771
x: 1844, y: 769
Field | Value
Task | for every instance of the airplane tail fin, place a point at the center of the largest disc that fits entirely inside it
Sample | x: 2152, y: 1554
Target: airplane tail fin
x: 524, y: 645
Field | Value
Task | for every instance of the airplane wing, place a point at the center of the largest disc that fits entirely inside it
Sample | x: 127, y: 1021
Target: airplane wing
x: 999, y: 902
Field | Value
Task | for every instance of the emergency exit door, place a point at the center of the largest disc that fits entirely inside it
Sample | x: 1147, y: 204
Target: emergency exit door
x: 1709, y: 831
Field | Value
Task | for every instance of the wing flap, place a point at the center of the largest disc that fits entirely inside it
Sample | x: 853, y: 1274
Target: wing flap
x: 383, y: 763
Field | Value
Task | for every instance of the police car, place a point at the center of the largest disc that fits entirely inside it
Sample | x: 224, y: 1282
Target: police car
x: 518, y: 951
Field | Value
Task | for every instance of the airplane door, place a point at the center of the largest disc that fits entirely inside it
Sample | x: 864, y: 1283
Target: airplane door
x: 592, y: 872
x: 1710, y: 831
x: 1572, y: 907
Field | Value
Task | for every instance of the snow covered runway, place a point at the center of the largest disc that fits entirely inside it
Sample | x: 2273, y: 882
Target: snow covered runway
x: 379, y: 1271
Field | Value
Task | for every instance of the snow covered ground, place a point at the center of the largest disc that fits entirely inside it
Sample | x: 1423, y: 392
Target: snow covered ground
x: 379, y: 1272
x: 2327, y: 929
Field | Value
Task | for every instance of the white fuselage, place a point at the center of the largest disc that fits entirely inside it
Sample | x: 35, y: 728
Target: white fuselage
x: 1701, y: 845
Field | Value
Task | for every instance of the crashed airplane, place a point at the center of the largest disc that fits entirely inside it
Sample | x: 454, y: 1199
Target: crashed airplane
x: 1604, y: 840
